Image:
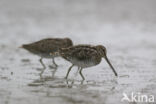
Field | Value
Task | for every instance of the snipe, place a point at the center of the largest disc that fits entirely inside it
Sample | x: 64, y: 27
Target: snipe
x: 44, y: 47
x: 85, y: 56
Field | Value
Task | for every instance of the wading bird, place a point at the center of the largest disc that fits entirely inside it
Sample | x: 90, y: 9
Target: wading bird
x: 44, y: 47
x: 84, y: 56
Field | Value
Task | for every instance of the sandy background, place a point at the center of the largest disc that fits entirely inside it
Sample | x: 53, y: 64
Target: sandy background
x: 126, y: 28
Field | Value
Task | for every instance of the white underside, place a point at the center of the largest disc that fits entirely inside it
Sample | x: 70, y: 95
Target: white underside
x: 46, y: 56
x: 83, y: 64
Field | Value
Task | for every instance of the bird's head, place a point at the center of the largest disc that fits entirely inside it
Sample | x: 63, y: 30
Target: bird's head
x: 102, y: 50
x: 103, y: 53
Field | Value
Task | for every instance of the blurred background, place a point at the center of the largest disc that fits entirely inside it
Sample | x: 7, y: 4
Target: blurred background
x: 126, y: 28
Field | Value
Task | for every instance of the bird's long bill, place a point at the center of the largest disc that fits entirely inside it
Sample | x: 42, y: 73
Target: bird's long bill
x: 111, y: 66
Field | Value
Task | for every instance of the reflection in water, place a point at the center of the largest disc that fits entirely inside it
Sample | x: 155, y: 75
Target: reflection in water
x: 53, y: 71
x: 54, y: 82
x: 75, y: 91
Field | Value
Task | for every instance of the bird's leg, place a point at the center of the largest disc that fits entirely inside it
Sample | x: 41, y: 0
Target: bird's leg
x: 53, y: 72
x: 81, y: 74
x: 82, y: 82
x: 54, y: 62
x: 69, y: 71
x: 44, y: 67
x: 77, y: 71
x: 53, y: 67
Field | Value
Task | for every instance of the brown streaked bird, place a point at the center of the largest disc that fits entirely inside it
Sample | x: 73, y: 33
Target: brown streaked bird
x: 85, y: 56
x: 44, y: 47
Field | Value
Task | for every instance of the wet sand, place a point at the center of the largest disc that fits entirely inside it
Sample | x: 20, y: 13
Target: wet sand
x: 126, y: 28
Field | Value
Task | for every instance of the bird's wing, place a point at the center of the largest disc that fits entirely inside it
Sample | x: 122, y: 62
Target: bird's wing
x: 47, y: 45
x: 79, y: 53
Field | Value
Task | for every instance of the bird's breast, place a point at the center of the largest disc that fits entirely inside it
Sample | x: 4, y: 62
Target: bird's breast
x: 85, y: 63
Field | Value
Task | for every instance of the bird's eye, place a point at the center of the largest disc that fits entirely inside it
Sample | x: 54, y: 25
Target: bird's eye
x: 104, y: 50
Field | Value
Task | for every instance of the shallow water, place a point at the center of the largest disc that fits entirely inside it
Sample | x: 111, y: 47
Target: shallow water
x: 127, y: 29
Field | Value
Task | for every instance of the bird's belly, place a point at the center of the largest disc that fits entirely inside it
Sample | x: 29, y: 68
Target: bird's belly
x: 84, y: 63
x: 45, y: 55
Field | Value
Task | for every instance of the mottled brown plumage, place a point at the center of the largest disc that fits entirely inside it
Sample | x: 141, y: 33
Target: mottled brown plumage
x: 44, y: 47
x: 84, y: 56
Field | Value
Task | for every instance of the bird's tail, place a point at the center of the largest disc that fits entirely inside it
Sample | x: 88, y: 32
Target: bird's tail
x: 21, y: 46
x: 24, y: 46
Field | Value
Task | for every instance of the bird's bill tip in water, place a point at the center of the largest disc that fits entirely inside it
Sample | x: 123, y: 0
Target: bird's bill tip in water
x: 111, y: 66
